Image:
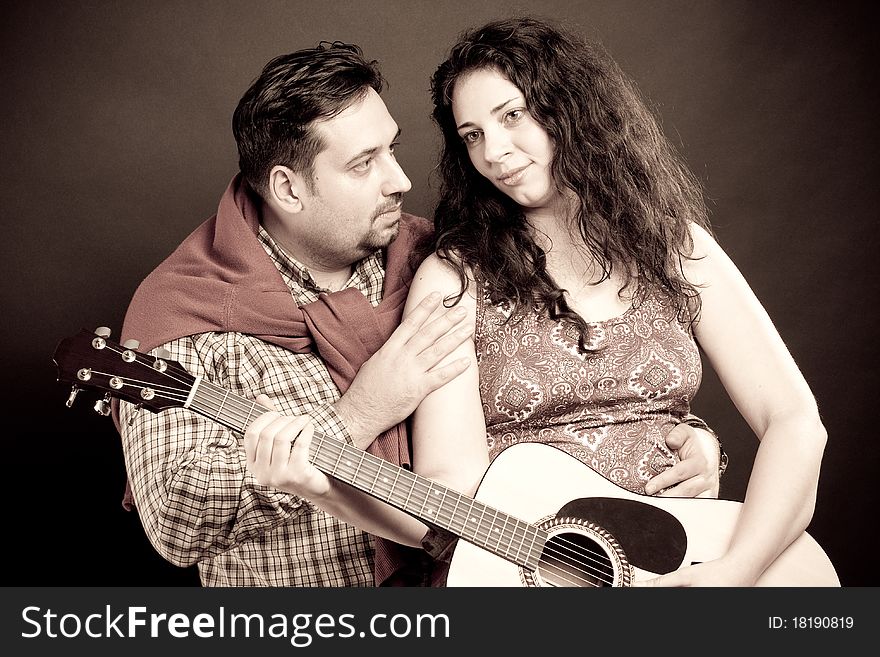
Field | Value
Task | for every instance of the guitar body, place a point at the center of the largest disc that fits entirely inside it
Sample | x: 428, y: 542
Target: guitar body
x: 654, y: 535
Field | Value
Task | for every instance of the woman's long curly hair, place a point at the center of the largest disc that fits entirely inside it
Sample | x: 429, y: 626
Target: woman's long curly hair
x: 635, y: 196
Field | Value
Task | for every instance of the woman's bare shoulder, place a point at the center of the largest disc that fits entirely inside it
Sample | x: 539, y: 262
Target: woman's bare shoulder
x: 438, y: 274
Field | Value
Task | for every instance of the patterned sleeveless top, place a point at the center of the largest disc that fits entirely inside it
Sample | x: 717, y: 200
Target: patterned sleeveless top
x: 611, y: 408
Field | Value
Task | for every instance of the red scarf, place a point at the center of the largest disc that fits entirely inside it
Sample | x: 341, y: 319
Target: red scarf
x: 221, y: 279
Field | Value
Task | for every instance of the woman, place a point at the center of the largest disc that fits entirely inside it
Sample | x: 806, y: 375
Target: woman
x: 578, y: 243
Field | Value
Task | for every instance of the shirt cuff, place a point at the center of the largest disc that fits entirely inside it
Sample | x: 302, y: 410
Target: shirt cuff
x: 439, y: 543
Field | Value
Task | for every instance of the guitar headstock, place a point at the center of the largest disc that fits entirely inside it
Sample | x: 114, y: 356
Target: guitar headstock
x: 91, y: 361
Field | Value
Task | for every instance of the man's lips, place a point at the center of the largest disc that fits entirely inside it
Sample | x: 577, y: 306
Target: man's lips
x: 391, y: 210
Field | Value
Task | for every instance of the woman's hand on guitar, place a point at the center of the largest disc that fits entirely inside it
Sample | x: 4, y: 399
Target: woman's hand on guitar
x: 696, y: 473
x: 277, y: 448
x: 719, y: 572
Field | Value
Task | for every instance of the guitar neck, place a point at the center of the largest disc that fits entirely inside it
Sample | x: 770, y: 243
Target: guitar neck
x: 433, y: 503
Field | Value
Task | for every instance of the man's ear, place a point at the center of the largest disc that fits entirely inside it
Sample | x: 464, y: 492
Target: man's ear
x: 286, y: 189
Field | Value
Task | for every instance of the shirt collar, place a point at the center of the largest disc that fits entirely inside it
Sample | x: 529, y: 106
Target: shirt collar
x: 366, y: 274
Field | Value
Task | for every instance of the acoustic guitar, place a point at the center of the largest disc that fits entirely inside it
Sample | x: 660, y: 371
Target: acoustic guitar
x: 539, y: 518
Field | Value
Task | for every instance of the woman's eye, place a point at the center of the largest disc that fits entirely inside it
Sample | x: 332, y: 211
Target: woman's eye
x: 471, y: 137
x: 514, y: 115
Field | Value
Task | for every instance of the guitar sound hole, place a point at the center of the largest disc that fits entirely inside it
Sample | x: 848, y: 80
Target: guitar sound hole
x: 579, y: 553
x: 575, y: 559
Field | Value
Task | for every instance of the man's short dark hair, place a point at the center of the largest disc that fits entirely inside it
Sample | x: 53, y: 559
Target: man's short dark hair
x: 274, y: 121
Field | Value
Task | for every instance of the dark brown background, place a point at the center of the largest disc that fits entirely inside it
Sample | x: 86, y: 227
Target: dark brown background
x: 115, y: 140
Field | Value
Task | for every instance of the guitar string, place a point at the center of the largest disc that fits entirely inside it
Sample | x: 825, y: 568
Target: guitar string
x: 214, y: 391
x: 423, y: 494
x: 374, y: 467
x: 235, y: 400
x: 597, y: 574
x: 252, y: 406
x: 331, y: 465
x: 575, y: 549
x: 323, y: 463
x: 171, y: 393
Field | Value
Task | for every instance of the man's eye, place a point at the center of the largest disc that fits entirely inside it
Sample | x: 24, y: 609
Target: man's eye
x: 362, y: 166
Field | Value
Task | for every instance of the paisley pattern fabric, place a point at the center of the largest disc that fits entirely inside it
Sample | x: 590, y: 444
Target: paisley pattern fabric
x: 610, y: 407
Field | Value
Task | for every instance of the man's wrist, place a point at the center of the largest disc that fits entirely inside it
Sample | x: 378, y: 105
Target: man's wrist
x: 356, y: 430
x: 327, y: 419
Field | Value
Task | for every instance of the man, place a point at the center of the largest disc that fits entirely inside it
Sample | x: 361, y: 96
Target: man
x: 293, y: 290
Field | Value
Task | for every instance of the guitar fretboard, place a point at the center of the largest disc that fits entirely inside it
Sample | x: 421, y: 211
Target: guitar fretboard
x: 477, y: 523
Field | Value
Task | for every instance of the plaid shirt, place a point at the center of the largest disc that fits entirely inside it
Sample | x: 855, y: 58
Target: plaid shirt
x: 196, y: 499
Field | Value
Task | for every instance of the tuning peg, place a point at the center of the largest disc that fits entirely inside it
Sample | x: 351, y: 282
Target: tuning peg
x: 162, y: 355
x: 134, y: 414
x: 102, y: 406
x: 74, y: 391
x: 101, y: 333
x: 131, y: 344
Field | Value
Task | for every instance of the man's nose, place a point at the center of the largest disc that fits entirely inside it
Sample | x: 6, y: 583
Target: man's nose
x: 396, y: 181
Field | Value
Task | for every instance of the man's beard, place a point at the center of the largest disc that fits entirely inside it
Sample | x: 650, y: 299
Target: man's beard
x: 381, y: 237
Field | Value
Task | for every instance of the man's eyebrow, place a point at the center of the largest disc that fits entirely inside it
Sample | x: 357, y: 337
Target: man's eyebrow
x: 371, y: 151
x: 492, y: 111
